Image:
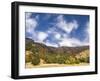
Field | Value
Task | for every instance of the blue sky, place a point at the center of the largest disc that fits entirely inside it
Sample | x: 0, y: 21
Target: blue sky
x: 57, y: 29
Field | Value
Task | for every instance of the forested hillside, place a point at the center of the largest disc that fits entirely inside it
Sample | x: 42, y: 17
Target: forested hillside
x: 37, y: 53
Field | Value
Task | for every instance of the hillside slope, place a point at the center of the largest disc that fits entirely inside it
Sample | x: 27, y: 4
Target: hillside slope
x: 37, y: 52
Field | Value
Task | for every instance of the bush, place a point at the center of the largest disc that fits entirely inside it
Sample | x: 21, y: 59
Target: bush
x: 28, y: 58
x: 55, y: 58
x: 87, y: 60
x: 50, y: 58
x: 72, y: 60
x: 60, y: 59
x: 28, y: 46
x: 77, y: 61
x: 35, y: 59
x: 67, y: 61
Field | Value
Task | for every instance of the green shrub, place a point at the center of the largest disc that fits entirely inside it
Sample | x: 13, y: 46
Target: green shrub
x: 87, y: 60
x: 34, y: 49
x: 28, y: 46
x: 35, y: 59
x: 77, y: 61
x: 61, y: 61
x: 84, y: 60
x: 67, y: 62
x: 50, y: 58
x: 55, y: 58
x: 72, y: 60
x: 28, y: 58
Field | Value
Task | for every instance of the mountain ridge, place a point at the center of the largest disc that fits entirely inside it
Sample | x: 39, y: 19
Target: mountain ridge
x: 62, y: 49
x: 38, y: 53
x: 52, y: 46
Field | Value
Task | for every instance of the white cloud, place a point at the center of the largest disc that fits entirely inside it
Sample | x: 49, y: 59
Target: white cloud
x: 63, y: 39
x: 72, y: 42
x: 41, y: 36
x: 50, y: 44
x: 57, y: 36
x: 87, y: 31
x: 31, y: 23
x: 52, y: 30
x: 66, y: 26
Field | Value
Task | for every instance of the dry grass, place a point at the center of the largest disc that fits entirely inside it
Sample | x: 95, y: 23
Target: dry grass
x: 29, y: 65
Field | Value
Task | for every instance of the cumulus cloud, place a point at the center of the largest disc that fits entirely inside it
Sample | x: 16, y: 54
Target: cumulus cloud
x: 42, y: 36
x: 66, y: 26
x: 87, y: 32
x: 31, y: 23
x: 59, y: 38
x: 69, y: 42
x: 63, y: 39
x: 72, y: 42
x: 48, y: 43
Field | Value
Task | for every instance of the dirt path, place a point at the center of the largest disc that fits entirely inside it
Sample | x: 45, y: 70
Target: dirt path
x: 29, y: 65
